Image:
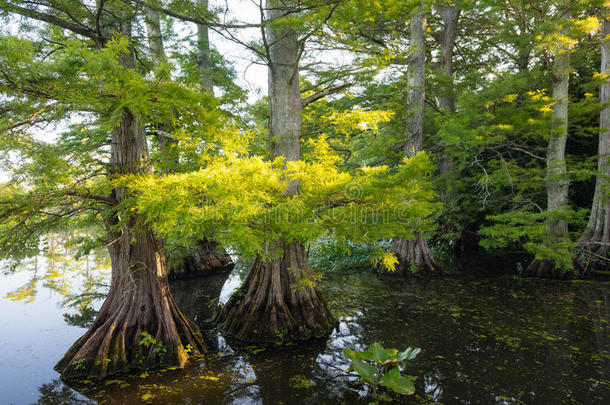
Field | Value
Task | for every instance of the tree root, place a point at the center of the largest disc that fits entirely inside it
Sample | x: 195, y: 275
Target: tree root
x: 277, y: 302
x: 414, y: 253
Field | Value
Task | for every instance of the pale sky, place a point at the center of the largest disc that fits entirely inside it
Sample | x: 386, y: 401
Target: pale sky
x: 250, y: 76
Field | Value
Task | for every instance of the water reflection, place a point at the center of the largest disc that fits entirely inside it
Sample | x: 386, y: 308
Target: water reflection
x: 80, y: 282
x: 57, y: 393
x: 499, y: 340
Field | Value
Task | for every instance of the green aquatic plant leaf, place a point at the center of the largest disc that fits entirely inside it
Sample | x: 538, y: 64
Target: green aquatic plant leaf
x: 365, y: 371
x: 372, y: 366
x: 395, y: 381
x: 377, y: 353
x: 408, y: 354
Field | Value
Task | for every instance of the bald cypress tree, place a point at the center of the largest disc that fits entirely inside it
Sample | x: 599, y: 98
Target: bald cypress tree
x: 92, y: 70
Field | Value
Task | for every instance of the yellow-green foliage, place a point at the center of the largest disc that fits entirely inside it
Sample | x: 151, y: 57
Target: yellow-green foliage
x: 242, y: 201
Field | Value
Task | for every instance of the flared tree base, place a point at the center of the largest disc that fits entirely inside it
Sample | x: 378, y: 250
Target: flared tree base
x: 136, y: 328
x: 414, y: 256
x: 277, y: 302
x: 545, y: 269
x: 204, y: 258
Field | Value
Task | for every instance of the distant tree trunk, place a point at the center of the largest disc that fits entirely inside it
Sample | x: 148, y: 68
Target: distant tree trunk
x: 169, y: 159
x: 204, y: 60
x: 446, y: 102
x: 139, y: 299
x: 596, y: 238
x: 450, y: 16
x: 155, y: 37
x: 415, y: 251
x: 557, y: 182
x: 277, y: 301
x: 204, y: 256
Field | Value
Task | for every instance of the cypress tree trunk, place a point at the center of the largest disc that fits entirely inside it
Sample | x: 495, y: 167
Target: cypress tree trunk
x: 416, y: 251
x: 155, y: 37
x: 139, y: 299
x: 595, y: 240
x: 450, y: 17
x: 205, y: 256
x: 275, y: 302
x: 203, y: 56
x: 557, y: 182
x: 446, y: 102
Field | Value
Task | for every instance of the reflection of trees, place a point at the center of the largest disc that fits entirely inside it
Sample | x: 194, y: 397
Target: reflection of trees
x: 283, y: 373
x: 27, y: 292
x: 483, y: 340
x: 82, y: 318
x: 198, y: 297
x: 57, y: 393
x: 79, y: 281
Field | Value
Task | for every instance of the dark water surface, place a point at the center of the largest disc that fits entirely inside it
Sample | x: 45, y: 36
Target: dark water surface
x: 485, y: 339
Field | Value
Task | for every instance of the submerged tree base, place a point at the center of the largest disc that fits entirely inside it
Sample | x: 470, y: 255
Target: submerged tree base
x: 205, y: 258
x: 278, y: 301
x: 139, y: 325
x: 414, y: 255
x: 545, y: 269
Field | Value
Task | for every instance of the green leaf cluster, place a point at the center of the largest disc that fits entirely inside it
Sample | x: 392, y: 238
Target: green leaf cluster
x: 383, y: 367
x: 242, y: 201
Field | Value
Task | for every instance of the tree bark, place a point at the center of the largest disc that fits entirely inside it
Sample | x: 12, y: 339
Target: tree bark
x: 139, y: 299
x: 203, y: 55
x: 278, y: 300
x: 446, y: 102
x: 450, y: 16
x: 205, y: 257
x: 155, y: 37
x: 556, y: 175
x: 416, y: 251
x: 557, y: 182
x: 595, y: 240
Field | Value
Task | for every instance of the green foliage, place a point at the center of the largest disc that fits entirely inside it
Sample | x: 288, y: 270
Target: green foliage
x: 243, y: 201
x: 330, y: 255
x: 60, y: 183
x: 383, y: 367
x: 496, y: 139
x: 149, y: 341
x: 529, y: 229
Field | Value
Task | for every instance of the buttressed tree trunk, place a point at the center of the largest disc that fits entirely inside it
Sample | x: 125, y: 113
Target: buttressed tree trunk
x: 596, y: 238
x: 415, y: 251
x: 276, y: 302
x: 139, y: 299
x: 204, y: 256
x: 557, y: 182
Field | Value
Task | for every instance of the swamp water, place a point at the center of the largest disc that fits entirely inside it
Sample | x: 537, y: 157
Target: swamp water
x: 486, y: 339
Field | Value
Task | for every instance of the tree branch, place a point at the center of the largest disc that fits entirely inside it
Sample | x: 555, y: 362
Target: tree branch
x: 196, y: 20
x: 97, y: 197
x: 51, y: 19
x: 327, y: 91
